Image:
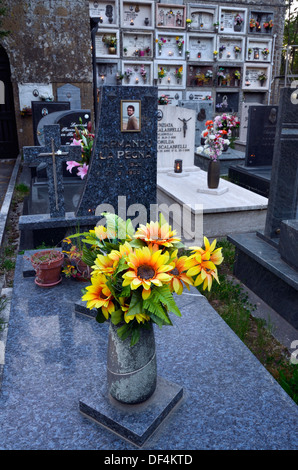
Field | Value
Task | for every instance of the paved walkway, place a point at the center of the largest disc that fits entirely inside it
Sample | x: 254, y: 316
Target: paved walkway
x: 6, y: 169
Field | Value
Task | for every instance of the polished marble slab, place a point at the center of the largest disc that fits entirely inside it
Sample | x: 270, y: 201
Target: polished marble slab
x: 53, y: 353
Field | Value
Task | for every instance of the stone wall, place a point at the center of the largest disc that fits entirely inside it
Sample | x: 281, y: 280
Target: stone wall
x: 49, y: 43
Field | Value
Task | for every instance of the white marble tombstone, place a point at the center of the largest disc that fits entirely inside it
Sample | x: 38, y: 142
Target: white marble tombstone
x: 176, y: 138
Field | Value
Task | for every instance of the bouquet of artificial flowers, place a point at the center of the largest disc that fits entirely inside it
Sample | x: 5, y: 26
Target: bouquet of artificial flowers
x: 214, y: 141
x: 84, y: 138
x: 135, y: 273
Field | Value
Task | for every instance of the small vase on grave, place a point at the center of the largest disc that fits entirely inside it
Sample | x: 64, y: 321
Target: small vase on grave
x: 213, y: 174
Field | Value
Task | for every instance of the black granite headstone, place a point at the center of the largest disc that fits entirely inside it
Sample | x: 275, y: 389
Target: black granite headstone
x: 267, y: 263
x: 261, y: 131
x: 54, y: 155
x: 227, y: 102
x: 123, y: 162
x: 41, y: 109
x: 283, y: 196
x: 69, y: 120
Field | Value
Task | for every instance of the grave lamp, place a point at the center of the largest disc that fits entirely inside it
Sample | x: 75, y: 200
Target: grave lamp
x: 256, y: 53
x: 100, y: 19
x: 102, y: 78
x: 169, y: 79
x: 178, y: 166
x: 131, y: 23
x: 137, y: 80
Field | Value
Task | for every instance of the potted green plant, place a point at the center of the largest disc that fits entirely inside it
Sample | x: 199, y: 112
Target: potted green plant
x: 47, y: 265
x: 74, y: 266
x: 111, y: 43
x: 216, y: 26
x: 262, y: 77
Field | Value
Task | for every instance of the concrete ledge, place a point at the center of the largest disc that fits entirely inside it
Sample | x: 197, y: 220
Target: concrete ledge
x: 7, y: 294
x: 256, y: 179
x: 289, y: 242
x: 260, y: 267
x: 8, y: 198
x: 231, y: 156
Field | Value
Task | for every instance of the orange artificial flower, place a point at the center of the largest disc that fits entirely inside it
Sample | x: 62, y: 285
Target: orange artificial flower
x: 157, y: 233
x: 178, y: 274
x: 98, y: 295
x: 202, y: 263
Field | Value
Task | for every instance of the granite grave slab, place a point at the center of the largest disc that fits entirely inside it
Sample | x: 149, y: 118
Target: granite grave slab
x: 67, y: 120
x: 255, y: 174
x: 54, y: 155
x: 70, y: 93
x: 123, y: 156
x: 204, y: 112
x: 41, y: 109
x: 264, y: 261
x: 53, y: 355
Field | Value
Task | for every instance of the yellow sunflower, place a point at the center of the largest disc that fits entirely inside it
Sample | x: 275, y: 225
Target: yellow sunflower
x: 140, y: 317
x: 123, y: 252
x: 156, y: 233
x: 202, y: 262
x: 99, y: 295
x: 146, y: 267
x: 178, y: 274
x: 102, y: 233
x: 104, y: 264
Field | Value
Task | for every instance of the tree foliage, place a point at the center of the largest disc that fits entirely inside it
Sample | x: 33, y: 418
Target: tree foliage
x: 291, y: 39
x: 3, y: 12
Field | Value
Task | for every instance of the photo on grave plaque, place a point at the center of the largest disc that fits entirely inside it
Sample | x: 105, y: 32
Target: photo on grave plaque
x: 130, y: 116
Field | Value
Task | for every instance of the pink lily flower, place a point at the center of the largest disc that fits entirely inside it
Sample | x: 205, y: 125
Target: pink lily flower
x: 82, y: 171
x: 71, y: 165
x: 77, y: 142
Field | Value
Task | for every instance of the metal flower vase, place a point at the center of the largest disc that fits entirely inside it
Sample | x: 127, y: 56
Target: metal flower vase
x: 213, y: 174
x: 131, y: 370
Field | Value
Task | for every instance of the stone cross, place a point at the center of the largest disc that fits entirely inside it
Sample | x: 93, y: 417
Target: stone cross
x: 54, y: 155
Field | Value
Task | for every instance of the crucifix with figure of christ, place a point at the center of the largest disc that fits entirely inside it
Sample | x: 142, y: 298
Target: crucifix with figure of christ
x: 54, y: 155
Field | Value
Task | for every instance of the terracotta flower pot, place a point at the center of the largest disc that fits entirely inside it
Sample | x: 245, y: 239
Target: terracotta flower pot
x: 47, y: 264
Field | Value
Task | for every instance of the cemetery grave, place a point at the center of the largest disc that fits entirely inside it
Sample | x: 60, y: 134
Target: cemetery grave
x: 64, y: 349
x: 255, y: 174
x: 269, y: 255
